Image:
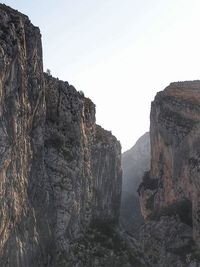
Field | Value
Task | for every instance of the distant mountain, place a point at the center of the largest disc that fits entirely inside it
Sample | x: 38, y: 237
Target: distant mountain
x: 135, y: 162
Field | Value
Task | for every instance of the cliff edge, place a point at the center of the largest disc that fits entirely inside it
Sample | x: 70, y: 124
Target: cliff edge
x: 172, y: 186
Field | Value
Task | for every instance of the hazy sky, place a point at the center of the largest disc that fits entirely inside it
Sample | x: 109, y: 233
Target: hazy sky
x: 120, y: 53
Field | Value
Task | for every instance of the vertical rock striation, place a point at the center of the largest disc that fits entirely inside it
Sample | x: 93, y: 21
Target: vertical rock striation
x: 22, y: 115
x: 106, y: 168
x: 68, y: 135
x: 59, y: 171
x: 172, y: 186
x: 82, y: 161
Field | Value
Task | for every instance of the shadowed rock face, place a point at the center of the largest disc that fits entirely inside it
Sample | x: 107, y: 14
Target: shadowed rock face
x: 135, y: 162
x: 59, y: 171
x: 175, y: 154
x: 106, y: 168
x: 82, y: 161
x: 168, y: 242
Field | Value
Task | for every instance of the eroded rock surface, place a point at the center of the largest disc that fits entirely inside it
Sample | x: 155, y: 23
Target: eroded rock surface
x: 60, y: 172
x: 22, y: 116
x: 83, y: 166
x: 169, y: 242
x: 171, y: 187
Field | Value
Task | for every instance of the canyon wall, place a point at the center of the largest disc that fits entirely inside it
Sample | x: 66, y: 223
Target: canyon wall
x: 172, y: 186
x: 83, y: 164
x: 135, y: 162
x: 22, y: 117
x: 59, y: 171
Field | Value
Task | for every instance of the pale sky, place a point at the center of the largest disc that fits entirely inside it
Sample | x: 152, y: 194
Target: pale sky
x: 120, y: 53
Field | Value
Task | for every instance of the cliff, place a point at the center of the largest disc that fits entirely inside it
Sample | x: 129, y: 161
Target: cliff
x: 60, y: 183
x: 22, y: 119
x: 171, y: 187
x: 53, y: 180
x: 135, y: 162
x: 83, y: 164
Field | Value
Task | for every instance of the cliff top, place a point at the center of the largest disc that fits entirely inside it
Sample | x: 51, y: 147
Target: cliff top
x: 187, y: 90
x: 14, y: 13
x: 105, y: 136
x: 185, y: 84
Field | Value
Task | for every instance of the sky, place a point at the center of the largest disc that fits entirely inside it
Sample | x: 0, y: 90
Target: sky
x: 119, y: 53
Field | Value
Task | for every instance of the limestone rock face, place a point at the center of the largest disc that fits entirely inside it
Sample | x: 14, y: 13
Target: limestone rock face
x: 68, y: 134
x: 60, y: 172
x: 82, y: 161
x: 22, y: 116
x: 174, y: 179
x: 106, y: 168
x: 168, y: 242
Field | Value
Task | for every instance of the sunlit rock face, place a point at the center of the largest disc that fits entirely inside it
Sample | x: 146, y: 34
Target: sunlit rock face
x: 175, y: 153
x: 22, y: 116
x: 59, y: 171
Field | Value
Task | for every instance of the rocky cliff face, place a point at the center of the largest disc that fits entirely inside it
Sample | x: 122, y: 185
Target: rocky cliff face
x: 60, y: 172
x: 171, y: 188
x: 82, y: 161
x: 106, y: 168
x: 22, y: 117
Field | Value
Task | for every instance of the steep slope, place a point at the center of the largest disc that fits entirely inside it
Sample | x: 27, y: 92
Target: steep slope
x: 135, y: 162
x: 171, y: 188
x: 60, y: 172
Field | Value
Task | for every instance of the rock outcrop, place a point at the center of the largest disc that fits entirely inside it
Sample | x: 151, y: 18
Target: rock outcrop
x: 22, y: 119
x: 83, y: 164
x: 135, y: 162
x: 171, y: 187
x: 60, y: 172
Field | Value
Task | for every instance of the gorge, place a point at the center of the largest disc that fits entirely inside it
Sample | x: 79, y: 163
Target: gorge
x: 61, y: 174
x: 60, y: 184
